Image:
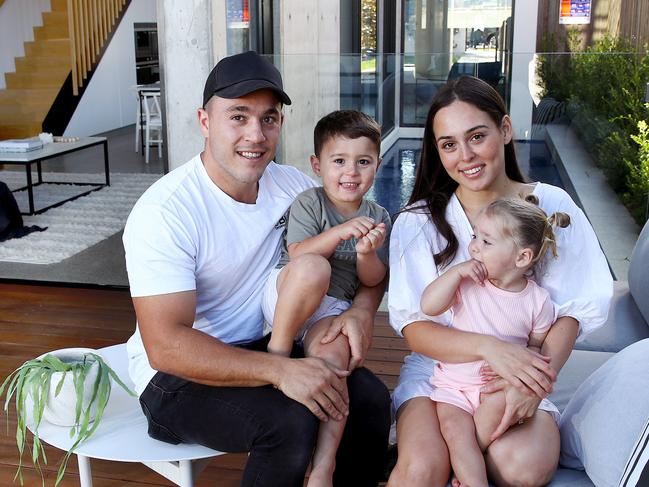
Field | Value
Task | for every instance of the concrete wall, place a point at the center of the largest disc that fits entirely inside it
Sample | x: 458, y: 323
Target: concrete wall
x: 310, y: 65
x: 110, y: 101
x: 523, y: 65
x: 192, y: 37
x: 17, y: 21
x: 185, y: 33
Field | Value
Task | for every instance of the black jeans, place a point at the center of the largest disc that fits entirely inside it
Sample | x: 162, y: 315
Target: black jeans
x: 279, y: 433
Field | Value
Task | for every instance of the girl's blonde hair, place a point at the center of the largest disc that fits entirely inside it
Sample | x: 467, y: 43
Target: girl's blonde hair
x: 528, y: 225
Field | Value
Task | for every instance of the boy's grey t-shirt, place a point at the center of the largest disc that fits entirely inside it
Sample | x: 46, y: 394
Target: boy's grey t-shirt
x: 311, y: 214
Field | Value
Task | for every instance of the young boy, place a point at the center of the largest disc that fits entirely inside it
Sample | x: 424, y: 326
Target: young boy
x: 335, y: 241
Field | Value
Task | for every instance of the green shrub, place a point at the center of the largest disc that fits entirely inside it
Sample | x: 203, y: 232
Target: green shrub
x: 638, y: 180
x: 604, y: 88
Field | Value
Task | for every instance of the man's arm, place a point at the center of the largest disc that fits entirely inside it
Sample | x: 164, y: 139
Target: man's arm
x: 174, y: 347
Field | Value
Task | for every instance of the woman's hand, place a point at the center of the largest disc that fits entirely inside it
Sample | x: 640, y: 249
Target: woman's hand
x: 519, y: 405
x: 522, y: 368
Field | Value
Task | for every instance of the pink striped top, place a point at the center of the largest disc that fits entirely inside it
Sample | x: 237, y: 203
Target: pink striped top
x: 509, y: 316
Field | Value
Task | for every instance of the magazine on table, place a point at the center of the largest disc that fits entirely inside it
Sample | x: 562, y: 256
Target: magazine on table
x: 21, y: 145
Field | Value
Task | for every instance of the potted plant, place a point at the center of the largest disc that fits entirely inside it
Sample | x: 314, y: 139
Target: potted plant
x: 68, y: 387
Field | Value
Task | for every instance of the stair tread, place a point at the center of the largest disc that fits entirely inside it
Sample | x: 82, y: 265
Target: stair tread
x: 39, y: 75
x: 42, y: 62
x: 10, y: 117
x: 48, y: 41
x: 45, y: 72
x: 29, y: 101
x: 18, y: 92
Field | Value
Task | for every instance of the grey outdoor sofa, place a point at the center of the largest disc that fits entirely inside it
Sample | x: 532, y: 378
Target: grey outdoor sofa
x: 605, y: 413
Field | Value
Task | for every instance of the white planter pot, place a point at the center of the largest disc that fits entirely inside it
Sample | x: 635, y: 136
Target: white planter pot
x: 60, y: 409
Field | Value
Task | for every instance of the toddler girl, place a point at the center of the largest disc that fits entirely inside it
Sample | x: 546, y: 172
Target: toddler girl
x: 490, y: 294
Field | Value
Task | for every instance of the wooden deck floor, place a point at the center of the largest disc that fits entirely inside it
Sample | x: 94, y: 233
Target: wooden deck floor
x: 37, y: 319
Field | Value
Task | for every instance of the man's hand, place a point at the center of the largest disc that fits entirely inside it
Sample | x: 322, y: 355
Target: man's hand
x: 316, y: 384
x: 354, y: 324
x: 372, y: 240
x: 356, y: 227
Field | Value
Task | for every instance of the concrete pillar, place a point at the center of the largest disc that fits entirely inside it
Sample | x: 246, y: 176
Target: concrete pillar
x: 192, y: 37
x: 310, y: 63
x: 458, y: 41
x: 219, y: 31
x: 432, y: 41
x: 523, y: 50
x: 185, y: 42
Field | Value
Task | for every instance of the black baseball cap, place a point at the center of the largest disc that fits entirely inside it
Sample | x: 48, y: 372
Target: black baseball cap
x: 241, y: 74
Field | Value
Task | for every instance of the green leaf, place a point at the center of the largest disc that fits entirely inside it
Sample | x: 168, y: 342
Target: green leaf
x: 116, y: 378
x: 33, y: 378
x: 59, y: 386
x: 56, y: 364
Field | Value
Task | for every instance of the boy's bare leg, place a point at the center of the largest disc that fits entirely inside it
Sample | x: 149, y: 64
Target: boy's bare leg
x: 488, y: 416
x: 330, y: 432
x: 458, y: 431
x: 301, y: 285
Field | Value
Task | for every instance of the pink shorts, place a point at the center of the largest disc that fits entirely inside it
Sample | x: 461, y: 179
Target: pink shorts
x: 467, y: 399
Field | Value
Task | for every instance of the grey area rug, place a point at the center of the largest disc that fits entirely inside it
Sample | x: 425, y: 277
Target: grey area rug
x: 77, y: 224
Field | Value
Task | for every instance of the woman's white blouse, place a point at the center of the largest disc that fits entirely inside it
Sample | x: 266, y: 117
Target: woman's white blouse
x: 578, y: 280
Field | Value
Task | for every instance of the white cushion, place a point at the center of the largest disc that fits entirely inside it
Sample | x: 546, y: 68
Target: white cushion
x: 608, y: 412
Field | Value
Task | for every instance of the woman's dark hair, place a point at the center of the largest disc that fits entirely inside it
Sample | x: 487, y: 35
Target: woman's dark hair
x: 433, y: 185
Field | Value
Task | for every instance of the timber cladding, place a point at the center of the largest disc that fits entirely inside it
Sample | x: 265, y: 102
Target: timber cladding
x: 628, y: 19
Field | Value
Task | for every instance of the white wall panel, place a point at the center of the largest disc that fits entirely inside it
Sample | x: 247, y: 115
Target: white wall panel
x: 17, y: 21
x: 110, y: 101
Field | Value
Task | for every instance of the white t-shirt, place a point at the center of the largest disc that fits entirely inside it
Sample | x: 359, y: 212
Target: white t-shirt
x: 186, y: 234
x: 578, y: 280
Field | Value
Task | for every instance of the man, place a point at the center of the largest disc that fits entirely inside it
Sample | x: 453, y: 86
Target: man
x: 199, y: 246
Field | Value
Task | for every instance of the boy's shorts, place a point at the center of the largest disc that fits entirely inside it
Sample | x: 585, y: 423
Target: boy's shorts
x: 328, y: 307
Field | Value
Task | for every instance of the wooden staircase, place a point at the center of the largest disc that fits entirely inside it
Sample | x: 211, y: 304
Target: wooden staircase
x: 40, y: 75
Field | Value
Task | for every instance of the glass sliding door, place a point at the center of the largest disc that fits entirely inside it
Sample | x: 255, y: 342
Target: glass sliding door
x: 367, y: 64
x: 358, y: 49
x: 249, y: 26
x: 444, y: 39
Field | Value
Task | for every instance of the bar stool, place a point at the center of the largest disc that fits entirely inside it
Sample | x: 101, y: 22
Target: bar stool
x: 152, y: 122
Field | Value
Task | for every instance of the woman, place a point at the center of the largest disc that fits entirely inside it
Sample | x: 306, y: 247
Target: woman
x: 468, y: 161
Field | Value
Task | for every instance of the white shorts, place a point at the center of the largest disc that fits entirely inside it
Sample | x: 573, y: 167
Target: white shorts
x: 328, y: 307
x: 414, y: 382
